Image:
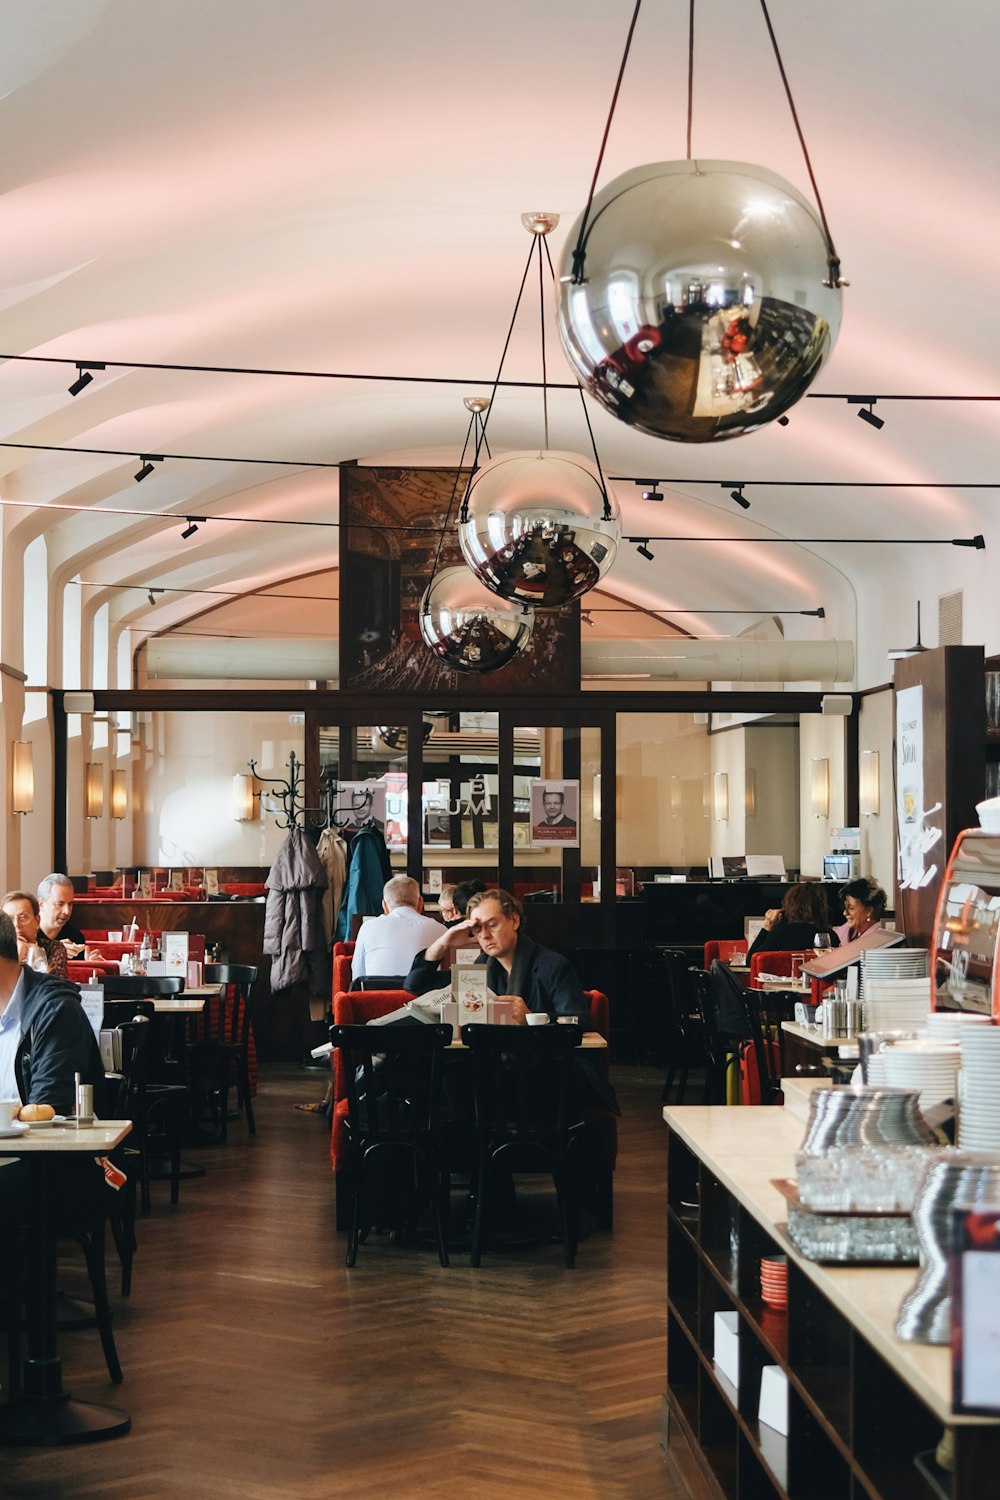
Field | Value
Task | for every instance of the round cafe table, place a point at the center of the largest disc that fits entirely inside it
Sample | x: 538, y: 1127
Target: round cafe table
x: 43, y: 1413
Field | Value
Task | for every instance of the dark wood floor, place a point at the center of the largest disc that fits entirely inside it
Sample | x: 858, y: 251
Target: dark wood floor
x: 256, y: 1365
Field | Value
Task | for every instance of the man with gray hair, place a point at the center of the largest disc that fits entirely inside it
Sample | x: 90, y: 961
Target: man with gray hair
x: 55, y: 907
x: 387, y: 945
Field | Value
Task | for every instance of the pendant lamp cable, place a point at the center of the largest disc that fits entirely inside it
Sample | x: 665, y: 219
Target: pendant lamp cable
x: 475, y: 422
x: 541, y: 322
x: 690, y: 75
x: 833, y: 259
x: 579, y: 254
x: 608, y: 512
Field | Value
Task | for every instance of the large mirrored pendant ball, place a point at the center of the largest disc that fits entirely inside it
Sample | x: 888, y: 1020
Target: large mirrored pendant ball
x: 536, y: 527
x: 470, y: 628
x: 702, y: 314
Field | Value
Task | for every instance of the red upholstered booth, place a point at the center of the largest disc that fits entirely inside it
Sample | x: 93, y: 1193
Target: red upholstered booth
x: 343, y: 954
x: 727, y: 950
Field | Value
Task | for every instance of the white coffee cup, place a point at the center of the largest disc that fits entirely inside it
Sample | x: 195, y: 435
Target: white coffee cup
x: 115, y: 937
x: 8, y: 1112
x: 536, y: 1018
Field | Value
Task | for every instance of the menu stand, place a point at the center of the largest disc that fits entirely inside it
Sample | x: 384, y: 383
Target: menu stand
x: 42, y: 1412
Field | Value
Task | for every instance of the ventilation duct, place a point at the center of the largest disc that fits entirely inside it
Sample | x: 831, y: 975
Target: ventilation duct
x: 196, y: 658
x: 729, y: 660
x: 726, y: 660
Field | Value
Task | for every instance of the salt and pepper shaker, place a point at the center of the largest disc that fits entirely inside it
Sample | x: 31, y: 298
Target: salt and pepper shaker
x: 84, y: 1102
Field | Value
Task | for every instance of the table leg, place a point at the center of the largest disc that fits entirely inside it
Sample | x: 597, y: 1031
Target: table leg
x: 43, y: 1413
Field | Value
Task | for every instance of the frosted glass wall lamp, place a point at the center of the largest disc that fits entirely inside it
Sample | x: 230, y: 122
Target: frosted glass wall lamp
x: 820, y: 788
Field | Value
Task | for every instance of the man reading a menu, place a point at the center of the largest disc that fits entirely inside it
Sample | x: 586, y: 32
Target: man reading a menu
x: 527, y: 975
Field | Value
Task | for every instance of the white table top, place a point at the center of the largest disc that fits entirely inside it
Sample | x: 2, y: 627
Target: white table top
x: 745, y: 1146
x: 178, y: 1005
x: 59, y: 1139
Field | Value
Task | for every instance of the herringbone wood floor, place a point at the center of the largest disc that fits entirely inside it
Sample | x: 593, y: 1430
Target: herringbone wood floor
x: 256, y: 1365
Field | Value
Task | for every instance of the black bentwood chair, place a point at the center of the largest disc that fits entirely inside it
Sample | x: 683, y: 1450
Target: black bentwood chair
x: 160, y: 1107
x: 521, y: 1086
x: 393, y: 1078
x: 218, y: 1055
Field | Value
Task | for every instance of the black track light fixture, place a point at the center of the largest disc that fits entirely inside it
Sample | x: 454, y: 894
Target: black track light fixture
x: 83, y: 375
x: 865, y: 412
x: 650, y: 489
x: 191, y: 527
x: 653, y: 494
x: 643, y: 550
x: 738, y: 495
x: 151, y: 595
x: 783, y: 421
x: 147, y: 460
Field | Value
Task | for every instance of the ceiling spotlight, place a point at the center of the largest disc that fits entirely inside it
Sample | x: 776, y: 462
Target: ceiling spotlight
x: 586, y: 617
x: 83, y: 375
x: 152, y: 597
x: 978, y: 541
x: 643, y: 550
x: 738, y: 495
x: 865, y: 412
x: 653, y: 494
x: 147, y: 461
x: 191, y: 527
x: 783, y: 421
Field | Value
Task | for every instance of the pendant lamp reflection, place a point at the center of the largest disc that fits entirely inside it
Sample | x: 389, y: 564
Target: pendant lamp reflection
x: 539, y: 528
x: 470, y: 628
x: 701, y: 305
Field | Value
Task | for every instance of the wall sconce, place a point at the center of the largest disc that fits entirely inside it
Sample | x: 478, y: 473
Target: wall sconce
x: 244, y: 797
x: 597, y: 797
x: 119, y: 794
x: 820, y: 789
x: 94, y: 789
x: 868, y: 784
x: 750, y: 793
x: 22, y: 778
x: 720, y: 796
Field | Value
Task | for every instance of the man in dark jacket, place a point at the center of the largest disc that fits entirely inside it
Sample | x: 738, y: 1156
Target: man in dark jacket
x: 45, y: 1040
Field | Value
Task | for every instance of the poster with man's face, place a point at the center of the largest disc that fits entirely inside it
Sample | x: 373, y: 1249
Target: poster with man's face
x: 555, y: 813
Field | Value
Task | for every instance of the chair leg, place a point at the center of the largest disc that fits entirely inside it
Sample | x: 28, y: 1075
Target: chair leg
x: 244, y: 1076
x: 93, y: 1248
x: 668, y: 1085
x: 682, y: 1086
x: 482, y: 1190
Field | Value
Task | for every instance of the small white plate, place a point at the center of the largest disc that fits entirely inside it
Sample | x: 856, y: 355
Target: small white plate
x: 45, y: 1124
x: 18, y: 1127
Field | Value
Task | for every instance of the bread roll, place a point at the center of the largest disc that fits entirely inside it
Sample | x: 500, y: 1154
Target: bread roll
x: 37, y: 1112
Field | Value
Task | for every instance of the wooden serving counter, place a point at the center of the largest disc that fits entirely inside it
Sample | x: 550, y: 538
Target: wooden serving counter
x: 866, y: 1410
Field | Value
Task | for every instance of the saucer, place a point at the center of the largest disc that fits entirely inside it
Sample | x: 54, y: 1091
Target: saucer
x: 18, y: 1127
x: 44, y: 1124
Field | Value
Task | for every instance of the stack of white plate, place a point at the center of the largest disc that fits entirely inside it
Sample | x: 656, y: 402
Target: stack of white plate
x: 979, y: 1117
x: 893, y: 963
x: 948, y: 1025
x: 931, y: 1067
x: 897, y: 1004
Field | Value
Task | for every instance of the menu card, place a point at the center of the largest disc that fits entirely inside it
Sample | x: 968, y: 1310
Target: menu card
x: 468, y: 987
x: 92, y: 1000
x: 176, y: 880
x: 975, y: 1311
x: 211, y: 882
x: 145, y: 884
x: 174, y: 947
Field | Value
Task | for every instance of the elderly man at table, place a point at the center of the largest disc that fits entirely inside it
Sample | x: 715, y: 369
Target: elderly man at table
x: 386, y: 945
x: 55, y: 907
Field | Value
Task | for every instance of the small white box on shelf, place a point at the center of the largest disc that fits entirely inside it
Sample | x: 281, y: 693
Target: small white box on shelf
x: 727, y: 1345
x: 772, y: 1409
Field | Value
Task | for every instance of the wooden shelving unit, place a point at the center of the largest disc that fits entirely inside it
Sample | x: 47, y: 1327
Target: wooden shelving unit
x: 866, y: 1412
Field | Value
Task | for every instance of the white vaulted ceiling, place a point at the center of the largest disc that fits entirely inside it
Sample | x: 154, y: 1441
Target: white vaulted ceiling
x: 336, y: 187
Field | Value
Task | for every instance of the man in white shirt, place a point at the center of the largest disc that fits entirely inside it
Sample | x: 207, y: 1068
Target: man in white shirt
x: 387, y: 945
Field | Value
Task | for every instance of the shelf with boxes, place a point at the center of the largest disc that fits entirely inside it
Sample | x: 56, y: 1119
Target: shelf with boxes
x: 818, y: 1400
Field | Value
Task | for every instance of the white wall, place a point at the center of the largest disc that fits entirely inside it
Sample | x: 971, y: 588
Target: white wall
x: 185, y: 778
x: 878, y: 848
x: 821, y: 736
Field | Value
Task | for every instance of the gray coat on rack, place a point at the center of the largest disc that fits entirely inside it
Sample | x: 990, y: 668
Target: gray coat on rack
x: 294, y: 934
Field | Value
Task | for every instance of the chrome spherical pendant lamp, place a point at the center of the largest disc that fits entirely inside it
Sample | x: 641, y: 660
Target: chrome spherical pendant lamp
x: 539, y: 527
x: 469, y: 627
x: 699, y: 302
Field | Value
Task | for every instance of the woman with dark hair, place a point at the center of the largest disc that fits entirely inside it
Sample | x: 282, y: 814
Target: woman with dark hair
x: 864, y: 907
x: 802, y: 913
